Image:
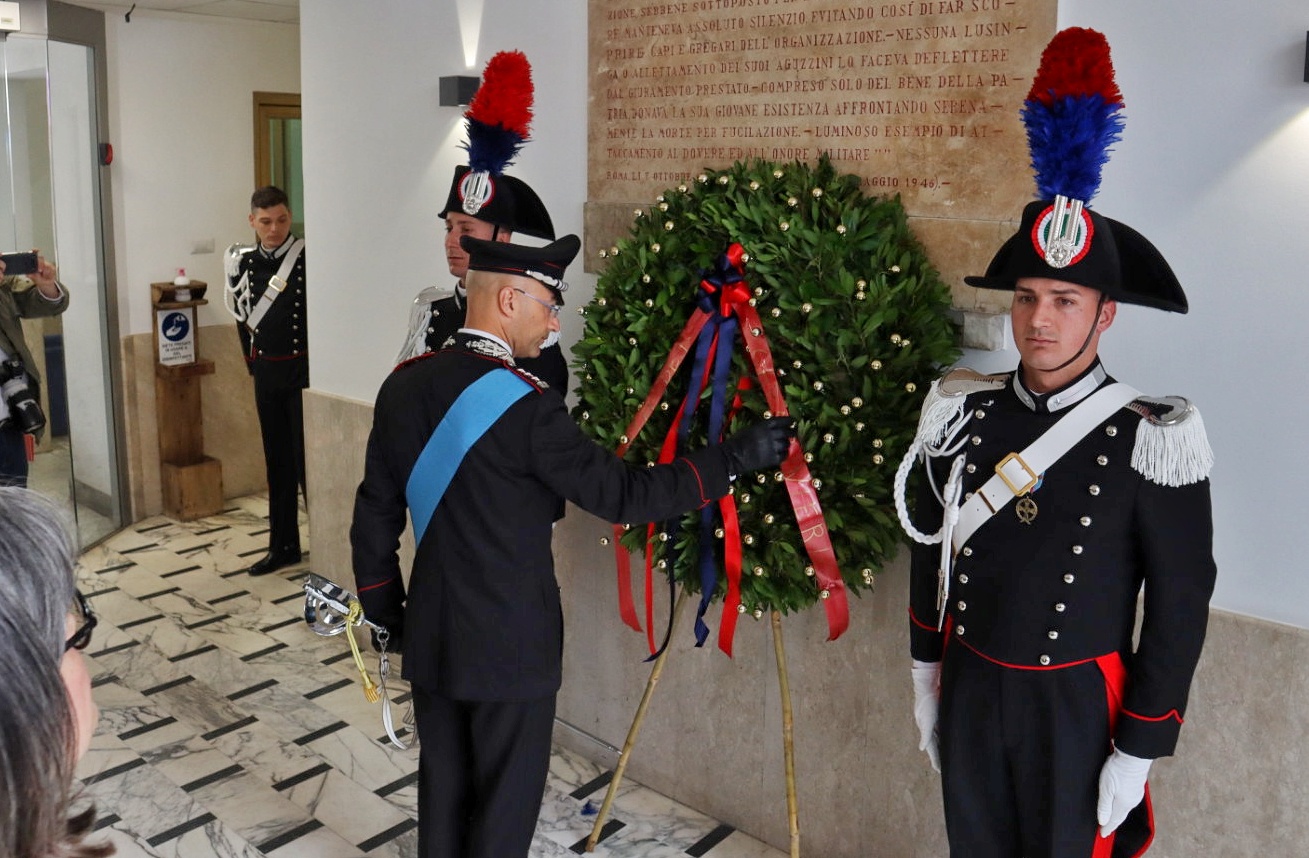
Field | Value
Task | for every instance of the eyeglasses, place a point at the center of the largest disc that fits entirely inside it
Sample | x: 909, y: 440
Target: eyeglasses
x: 81, y: 638
x: 553, y: 308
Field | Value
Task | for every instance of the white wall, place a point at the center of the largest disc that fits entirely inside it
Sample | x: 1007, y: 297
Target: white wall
x: 380, y: 154
x: 1212, y: 169
x: 181, y: 124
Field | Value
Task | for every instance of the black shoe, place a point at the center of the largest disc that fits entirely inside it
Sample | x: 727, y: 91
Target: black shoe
x: 272, y: 561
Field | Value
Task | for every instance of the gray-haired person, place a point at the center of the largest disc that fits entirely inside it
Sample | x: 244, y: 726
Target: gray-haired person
x: 47, y: 715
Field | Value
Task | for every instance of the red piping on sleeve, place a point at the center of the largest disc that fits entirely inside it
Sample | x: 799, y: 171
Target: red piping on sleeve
x: 917, y: 622
x: 1172, y: 714
x: 698, y: 481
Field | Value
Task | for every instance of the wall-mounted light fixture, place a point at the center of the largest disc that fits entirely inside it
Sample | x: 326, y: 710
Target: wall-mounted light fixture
x: 458, y: 90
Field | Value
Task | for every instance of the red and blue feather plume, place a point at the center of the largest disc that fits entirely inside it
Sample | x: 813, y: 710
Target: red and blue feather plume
x: 1072, y: 114
x: 500, y: 114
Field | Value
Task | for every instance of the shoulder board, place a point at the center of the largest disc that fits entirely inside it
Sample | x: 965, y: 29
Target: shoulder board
x: 538, y: 383
x: 964, y: 381
x: 1163, y: 410
x: 413, y: 360
x: 1171, y: 447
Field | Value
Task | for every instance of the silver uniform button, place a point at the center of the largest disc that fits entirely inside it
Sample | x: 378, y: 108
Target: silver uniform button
x: 963, y: 578
x: 1060, y: 607
x: 961, y: 605
x: 1052, y: 635
x: 970, y: 468
x: 959, y: 630
x: 976, y: 439
x: 967, y: 552
x: 1094, y: 490
x: 1102, y: 460
x: 1111, y: 431
x: 1069, y: 578
x: 979, y: 414
x: 1085, y: 520
x: 1077, y: 549
x: 1045, y: 659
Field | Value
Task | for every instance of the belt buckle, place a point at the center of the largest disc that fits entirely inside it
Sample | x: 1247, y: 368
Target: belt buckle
x: 277, y: 284
x: 1031, y: 475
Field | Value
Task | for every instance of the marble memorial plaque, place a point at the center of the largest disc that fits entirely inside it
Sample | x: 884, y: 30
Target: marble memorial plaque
x: 918, y: 98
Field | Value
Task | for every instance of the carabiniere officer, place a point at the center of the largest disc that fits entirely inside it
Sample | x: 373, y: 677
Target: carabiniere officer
x: 1049, y: 716
x: 275, y: 341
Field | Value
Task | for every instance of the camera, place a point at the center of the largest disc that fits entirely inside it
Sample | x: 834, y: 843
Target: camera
x: 25, y: 412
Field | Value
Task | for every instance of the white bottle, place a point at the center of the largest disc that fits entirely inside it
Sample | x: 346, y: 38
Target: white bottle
x: 182, y: 280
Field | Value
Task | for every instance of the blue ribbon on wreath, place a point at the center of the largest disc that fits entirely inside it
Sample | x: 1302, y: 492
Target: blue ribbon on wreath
x: 721, y: 287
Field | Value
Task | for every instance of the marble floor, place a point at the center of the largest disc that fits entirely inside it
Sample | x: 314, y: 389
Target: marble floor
x: 51, y: 473
x: 228, y: 728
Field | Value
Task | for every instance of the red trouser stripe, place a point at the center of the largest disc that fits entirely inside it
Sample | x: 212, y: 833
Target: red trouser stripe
x: 1115, y: 680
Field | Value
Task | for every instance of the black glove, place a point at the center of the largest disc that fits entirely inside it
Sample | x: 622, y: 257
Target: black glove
x: 760, y: 446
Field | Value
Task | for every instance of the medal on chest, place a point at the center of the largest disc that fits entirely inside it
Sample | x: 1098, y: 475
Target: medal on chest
x: 1025, y: 508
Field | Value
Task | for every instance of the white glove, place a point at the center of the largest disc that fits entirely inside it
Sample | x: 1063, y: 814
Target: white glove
x: 927, y: 700
x: 1122, y: 786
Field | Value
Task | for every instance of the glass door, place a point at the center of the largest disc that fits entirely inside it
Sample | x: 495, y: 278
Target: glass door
x: 52, y: 203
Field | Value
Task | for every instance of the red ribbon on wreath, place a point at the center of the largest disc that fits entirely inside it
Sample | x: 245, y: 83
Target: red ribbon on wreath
x: 732, y: 294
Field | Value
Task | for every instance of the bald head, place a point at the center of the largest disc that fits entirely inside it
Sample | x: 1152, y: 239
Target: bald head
x: 516, y: 309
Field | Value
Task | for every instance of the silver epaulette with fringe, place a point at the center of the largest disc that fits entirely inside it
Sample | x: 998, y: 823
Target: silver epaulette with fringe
x: 1171, y: 448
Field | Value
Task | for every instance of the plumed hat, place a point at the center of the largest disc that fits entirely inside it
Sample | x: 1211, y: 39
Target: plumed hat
x: 1072, y: 117
x: 544, y: 264
x: 498, y: 121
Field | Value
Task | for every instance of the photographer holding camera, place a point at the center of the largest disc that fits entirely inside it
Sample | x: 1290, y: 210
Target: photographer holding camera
x: 27, y: 295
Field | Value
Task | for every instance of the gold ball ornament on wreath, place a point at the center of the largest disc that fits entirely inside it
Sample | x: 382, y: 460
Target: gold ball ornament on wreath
x: 811, y: 258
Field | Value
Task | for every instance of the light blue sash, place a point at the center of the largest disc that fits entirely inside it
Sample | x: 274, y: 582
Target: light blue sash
x: 473, y: 412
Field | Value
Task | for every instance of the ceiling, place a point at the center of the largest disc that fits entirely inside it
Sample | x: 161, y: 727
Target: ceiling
x: 279, y: 11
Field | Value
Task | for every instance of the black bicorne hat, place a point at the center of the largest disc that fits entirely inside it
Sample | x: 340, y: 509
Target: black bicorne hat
x: 505, y: 201
x: 1072, y: 117
x: 1104, y: 254
x: 544, y: 264
x: 497, y: 124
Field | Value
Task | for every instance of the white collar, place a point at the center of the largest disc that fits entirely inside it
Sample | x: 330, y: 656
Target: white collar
x: 1061, y: 399
x: 279, y: 251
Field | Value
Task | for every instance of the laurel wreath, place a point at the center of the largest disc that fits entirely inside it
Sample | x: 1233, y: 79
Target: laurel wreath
x: 856, y: 317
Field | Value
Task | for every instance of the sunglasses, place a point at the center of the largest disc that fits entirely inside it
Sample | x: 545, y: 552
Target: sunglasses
x: 81, y: 638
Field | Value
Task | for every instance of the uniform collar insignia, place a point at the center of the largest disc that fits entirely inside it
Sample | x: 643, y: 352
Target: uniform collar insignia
x: 1060, y: 399
x: 482, y: 343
